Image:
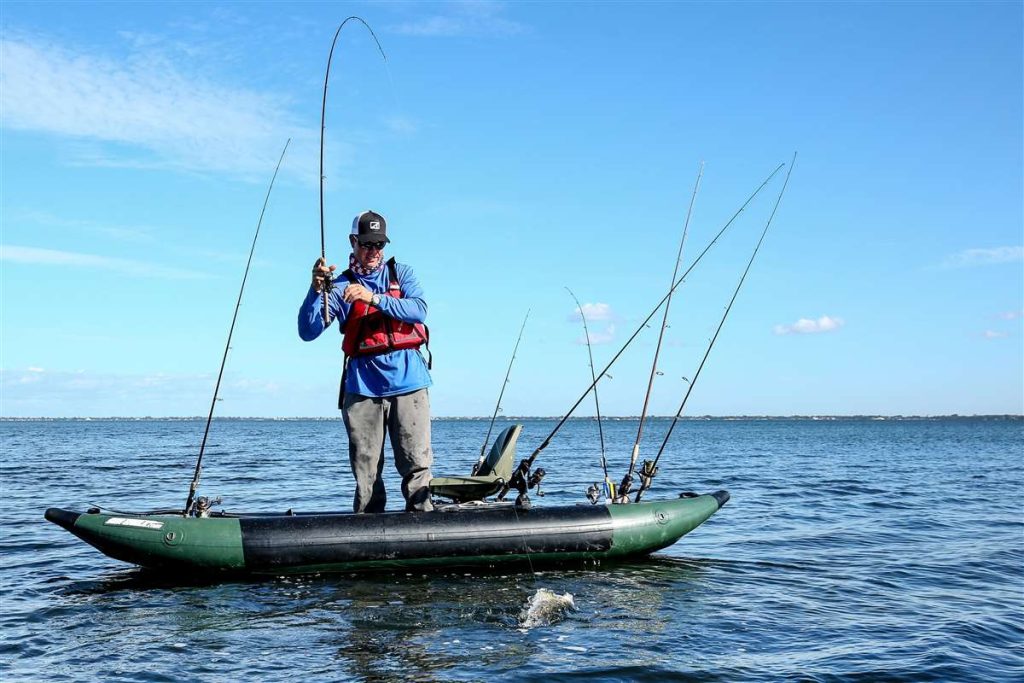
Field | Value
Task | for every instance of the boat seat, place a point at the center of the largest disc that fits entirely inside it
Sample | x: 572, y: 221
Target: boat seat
x: 494, y: 471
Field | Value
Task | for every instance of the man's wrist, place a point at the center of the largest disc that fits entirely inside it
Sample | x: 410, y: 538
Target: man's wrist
x: 375, y: 299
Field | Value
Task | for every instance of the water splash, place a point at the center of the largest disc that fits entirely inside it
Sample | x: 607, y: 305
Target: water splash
x: 545, y: 608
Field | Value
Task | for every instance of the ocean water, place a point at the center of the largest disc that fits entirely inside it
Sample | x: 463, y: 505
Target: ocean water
x: 852, y: 549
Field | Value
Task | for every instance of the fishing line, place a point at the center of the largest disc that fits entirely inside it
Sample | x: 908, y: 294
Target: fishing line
x: 654, y: 466
x: 627, y: 481
x: 529, y: 462
x: 323, y: 116
x: 526, y: 546
x: 209, y: 418
x: 609, y: 488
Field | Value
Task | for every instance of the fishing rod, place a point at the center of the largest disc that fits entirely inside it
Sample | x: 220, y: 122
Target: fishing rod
x: 223, y: 361
x: 497, y: 407
x: 627, y: 481
x: 651, y: 467
x: 328, y: 283
x: 609, y: 488
x: 519, y: 476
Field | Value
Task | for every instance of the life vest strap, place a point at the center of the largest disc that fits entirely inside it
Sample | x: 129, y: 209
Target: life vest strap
x: 341, y: 387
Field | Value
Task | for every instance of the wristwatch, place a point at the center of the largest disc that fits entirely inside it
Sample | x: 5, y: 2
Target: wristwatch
x: 375, y: 300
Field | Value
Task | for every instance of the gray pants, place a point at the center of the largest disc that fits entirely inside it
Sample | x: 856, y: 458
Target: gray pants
x: 406, y: 419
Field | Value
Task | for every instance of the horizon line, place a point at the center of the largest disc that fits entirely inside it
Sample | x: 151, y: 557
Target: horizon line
x: 535, y: 417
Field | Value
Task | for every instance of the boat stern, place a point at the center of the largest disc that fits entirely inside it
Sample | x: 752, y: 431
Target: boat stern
x: 158, y: 541
x: 62, y: 518
x: 641, y: 528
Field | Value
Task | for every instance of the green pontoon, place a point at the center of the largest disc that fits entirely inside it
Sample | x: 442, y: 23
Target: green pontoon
x: 467, y: 531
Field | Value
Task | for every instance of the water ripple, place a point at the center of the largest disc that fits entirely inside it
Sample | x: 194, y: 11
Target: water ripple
x: 851, y: 551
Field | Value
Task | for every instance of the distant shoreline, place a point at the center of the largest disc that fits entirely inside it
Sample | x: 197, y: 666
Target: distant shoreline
x: 694, y: 418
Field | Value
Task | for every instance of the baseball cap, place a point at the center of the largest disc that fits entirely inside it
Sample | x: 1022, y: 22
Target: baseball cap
x: 370, y: 226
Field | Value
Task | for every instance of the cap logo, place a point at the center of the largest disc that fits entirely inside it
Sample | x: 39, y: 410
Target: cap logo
x: 374, y: 225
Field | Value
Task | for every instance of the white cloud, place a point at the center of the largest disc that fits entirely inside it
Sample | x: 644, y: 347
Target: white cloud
x: 592, y: 312
x: 465, y: 18
x: 401, y: 125
x: 132, y: 234
x: 69, y: 259
x: 992, y: 334
x: 605, y: 336
x: 121, y: 233
x: 810, y: 326
x: 984, y: 257
x: 61, y: 393
x: 599, y: 312
x: 1010, y: 315
x: 147, y: 111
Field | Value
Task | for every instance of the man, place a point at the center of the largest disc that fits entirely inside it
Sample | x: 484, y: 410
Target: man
x: 380, y: 311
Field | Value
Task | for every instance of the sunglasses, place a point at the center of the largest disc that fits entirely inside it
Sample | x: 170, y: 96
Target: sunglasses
x: 379, y: 246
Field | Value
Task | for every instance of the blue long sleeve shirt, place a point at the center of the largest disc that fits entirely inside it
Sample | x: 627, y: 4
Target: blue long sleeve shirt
x: 388, y: 374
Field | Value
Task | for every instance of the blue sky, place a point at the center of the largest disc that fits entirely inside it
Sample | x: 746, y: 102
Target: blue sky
x: 517, y: 149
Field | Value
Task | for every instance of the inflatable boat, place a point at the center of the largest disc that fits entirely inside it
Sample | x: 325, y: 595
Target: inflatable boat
x: 464, y: 529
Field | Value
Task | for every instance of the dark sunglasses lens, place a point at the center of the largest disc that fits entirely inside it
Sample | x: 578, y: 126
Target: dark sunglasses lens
x: 379, y: 246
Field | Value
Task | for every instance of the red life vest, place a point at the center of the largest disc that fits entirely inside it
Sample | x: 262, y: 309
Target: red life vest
x: 369, y: 332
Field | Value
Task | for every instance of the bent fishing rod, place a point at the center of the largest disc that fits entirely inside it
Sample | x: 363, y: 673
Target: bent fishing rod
x: 627, y: 481
x: 526, y: 464
x: 189, y: 502
x: 497, y: 407
x: 650, y: 468
x: 323, y: 116
x: 609, y: 488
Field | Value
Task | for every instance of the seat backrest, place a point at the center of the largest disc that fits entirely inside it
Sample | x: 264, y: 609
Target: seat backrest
x: 499, y: 460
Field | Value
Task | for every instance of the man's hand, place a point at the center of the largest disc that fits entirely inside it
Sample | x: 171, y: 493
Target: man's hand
x: 357, y: 293
x: 321, y: 272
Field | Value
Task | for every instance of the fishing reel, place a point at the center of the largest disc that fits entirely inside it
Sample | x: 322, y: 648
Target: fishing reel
x: 327, y: 278
x: 204, y: 504
x: 522, y: 480
x: 593, y: 494
x: 535, y: 479
x: 622, y: 495
x: 646, y: 473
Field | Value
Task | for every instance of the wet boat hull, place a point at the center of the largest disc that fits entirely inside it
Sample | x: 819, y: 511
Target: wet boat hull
x: 342, y: 542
